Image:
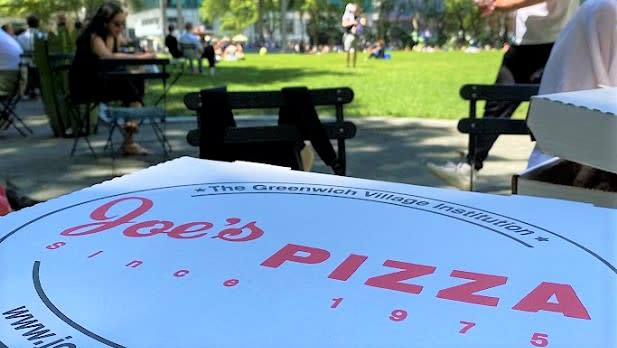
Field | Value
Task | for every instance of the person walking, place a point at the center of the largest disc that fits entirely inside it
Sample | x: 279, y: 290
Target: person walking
x: 537, y: 26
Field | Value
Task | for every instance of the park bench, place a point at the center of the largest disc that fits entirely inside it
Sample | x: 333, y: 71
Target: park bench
x: 219, y: 138
x: 475, y: 126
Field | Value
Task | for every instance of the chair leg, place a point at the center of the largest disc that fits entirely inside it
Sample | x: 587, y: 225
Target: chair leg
x: 81, y: 128
x: 22, y: 124
x: 159, y: 132
x: 473, y: 153
x: 109, y: 142
x: 10, y: 115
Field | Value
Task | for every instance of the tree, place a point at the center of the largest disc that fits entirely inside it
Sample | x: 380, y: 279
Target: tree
x: 235, y: 15
x: 259, y: 25
x: 46, y: 9
x: 324, y: 26
x: 462, y: 18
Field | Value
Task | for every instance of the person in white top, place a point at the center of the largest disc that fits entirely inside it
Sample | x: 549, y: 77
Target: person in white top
x: 26, y: 40
x: 10, y: 53
x: 584, y: 57
x: 352, y: 26
x: 538, y: 24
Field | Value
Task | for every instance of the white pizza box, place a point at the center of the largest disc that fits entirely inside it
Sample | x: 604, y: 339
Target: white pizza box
x: 196, y: 253
x: 552, y: 178
x: 577, y: 127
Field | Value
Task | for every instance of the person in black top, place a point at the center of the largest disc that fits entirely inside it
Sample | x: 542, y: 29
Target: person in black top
x: 172, y: 43
x: 98, y: 41
x: 210, y: 56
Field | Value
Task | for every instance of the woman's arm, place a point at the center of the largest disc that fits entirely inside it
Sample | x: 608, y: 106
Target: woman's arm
x: 487, y: 7
x: 511, y: 5
x: 104, y: 52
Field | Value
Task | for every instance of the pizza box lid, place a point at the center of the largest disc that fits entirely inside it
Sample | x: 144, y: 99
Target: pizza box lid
x: 192, y: 253
x: 580, y: 126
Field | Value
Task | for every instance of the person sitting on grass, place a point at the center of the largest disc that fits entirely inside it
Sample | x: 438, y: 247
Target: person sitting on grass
x: 99, y: 41
x: 377, y: 50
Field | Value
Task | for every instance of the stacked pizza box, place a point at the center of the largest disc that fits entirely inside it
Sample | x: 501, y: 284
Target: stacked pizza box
x: 196, y: 253
x: 580, y: 129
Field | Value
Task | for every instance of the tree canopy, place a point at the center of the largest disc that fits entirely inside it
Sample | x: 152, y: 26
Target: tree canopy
x: 235, y: 15
x: 46, y: 9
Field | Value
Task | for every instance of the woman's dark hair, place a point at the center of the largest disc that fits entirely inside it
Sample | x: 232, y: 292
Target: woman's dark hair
x: 97, y: 24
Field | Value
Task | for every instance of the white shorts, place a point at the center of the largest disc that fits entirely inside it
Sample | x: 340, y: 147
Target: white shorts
x: 349, y: 42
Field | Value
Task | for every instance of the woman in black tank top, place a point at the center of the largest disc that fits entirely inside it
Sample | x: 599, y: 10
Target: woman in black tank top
x: 99, y: 40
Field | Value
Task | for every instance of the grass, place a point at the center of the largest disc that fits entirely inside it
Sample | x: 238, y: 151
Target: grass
x: 411, y: 84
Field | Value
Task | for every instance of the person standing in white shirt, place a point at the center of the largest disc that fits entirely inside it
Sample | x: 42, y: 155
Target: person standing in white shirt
x: 538, y: 24
x: 26, y: 40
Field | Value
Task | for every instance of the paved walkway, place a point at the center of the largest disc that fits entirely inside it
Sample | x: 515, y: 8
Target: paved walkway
x: 389, y: 149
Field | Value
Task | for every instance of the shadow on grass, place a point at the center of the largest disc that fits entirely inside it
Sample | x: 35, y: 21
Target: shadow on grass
x: 254, y: 77
x: 244, y: 75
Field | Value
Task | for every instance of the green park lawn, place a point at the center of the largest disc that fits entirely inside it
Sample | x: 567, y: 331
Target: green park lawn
x: 411, y: 84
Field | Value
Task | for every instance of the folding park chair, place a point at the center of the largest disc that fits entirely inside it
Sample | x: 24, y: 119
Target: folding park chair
x: 176, y: 70
x: 190, y: 54
x: 476, y: 127
x: 79, y: 113
x: 8, y: 103
x: 114, y: 117
x: 219, y: 138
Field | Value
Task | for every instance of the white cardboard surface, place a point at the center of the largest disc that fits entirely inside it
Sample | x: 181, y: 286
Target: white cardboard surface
x: 294, y: 259
x: 579, y: 126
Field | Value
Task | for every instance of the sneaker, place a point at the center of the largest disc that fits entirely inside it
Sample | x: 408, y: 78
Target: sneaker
x: 455, y: 174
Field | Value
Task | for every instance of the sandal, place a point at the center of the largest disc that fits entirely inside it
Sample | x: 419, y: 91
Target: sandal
x: 134, y: 149
x: 131, y: 127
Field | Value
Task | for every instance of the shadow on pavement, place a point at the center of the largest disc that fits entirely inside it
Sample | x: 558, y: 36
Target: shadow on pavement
x: 388, y: 149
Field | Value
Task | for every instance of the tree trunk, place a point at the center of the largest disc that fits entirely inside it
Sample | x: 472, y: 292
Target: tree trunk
x: 259, y: 25
x: 163, y: 4
x: 283, y: 26
x: 180, y: 14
